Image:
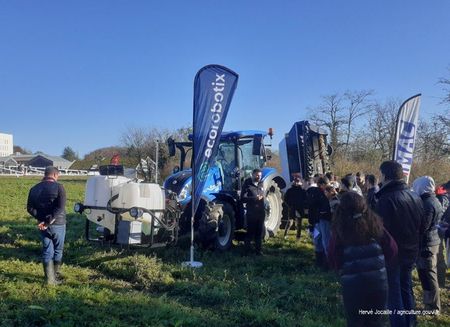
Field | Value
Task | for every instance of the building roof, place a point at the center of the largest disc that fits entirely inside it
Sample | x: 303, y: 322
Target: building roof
x: 25, y: 158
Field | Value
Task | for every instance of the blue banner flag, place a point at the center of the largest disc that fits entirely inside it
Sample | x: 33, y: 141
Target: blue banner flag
x: 214, y: 87
x: 405, y: 133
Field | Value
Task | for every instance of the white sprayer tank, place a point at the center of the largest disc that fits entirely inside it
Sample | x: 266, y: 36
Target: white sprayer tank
x: 100, y: 189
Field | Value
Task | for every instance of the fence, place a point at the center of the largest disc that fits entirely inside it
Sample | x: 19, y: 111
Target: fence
x: 37, y: 171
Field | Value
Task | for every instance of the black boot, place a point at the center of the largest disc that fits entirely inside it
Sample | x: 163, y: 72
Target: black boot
x: 49, y: 271
x: 58, y: 276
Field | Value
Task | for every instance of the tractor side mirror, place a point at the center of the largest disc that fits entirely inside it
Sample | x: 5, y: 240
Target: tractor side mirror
x: 171, y: 146
x: 257, y: 144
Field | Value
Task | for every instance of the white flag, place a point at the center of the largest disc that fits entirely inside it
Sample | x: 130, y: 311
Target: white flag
x: 405, y: 134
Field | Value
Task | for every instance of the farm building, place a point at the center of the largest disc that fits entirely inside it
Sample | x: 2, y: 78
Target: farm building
x: 35, y: 160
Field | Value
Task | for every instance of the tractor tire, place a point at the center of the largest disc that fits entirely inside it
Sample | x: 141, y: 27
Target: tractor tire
x: 274, y: 209
x: 217, y: 225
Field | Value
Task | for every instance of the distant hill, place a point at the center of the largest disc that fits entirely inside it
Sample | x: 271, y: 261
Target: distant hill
x: 103, y: 157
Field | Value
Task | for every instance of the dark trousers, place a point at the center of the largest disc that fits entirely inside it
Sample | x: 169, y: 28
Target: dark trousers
x: 401, y: 296
x: 53, y: 243
x: 298, y: 226
x: 427, y: 271
x: 441, y: 265
x: 255, y: 229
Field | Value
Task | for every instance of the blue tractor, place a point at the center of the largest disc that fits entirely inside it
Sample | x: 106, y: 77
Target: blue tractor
x: 220, y: 217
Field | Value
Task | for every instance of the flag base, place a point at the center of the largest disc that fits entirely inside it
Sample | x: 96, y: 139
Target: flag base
x: 192, y: 264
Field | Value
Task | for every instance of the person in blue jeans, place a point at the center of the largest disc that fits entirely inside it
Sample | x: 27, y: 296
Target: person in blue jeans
x: 46, y: 203
x: 402, y: 213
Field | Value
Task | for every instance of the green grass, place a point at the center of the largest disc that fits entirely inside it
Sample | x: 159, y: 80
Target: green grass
x: 110, y: 286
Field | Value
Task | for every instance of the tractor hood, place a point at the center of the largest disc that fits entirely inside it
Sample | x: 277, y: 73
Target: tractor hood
x: 177, y: 181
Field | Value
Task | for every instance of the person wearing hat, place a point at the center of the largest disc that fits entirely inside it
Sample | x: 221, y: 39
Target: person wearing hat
x: 46, y: 203
x: 429, y: 244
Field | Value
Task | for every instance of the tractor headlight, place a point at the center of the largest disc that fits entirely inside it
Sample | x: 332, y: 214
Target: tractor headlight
x: 185, y: 191
x: 78, y: 207
x: 136, y: 212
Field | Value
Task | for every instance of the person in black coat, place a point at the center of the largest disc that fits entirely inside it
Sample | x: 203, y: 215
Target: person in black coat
x: 46, y: 202
x: 295, y: 198
x: 402, y: 213
x: 429, y: 245
x: 372, y: 188
x: 253, y: 196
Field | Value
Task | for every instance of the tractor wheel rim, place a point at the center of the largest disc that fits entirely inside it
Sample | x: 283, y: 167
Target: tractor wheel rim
x: 272, y: 204
x: 224, y: 230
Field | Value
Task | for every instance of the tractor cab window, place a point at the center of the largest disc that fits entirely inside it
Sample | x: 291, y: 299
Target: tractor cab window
x: 225, y: 160
x: 249, y: 161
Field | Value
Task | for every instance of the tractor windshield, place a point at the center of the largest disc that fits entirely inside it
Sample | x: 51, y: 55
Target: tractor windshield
x: 249, y: 161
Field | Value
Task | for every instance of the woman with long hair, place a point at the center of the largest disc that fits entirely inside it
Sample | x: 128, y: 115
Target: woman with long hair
x: 360, y: 248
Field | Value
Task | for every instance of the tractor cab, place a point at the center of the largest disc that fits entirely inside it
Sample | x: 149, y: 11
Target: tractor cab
x: 238, y: 154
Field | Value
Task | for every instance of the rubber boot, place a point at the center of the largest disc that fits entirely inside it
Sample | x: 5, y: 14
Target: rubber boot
x: 58, y: 276
x: 49, y: 271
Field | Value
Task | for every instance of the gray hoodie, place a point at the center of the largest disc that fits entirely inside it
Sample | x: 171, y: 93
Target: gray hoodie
x: 424, y: 184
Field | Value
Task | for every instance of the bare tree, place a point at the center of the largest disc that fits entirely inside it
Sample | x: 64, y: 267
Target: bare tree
x: 329, y: 114
x: 381, y: 127
x: 138, y: 143
x: 358, y: 105
x: 432, y: 141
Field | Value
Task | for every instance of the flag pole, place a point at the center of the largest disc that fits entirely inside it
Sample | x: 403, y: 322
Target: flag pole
x: 191, y: 263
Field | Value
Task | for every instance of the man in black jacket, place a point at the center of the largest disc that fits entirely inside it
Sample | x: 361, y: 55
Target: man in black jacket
x: 253, y: 195
x: 295, y: 198
x: 402, y: 212
x: 429, y: 245
x: 46, y: 203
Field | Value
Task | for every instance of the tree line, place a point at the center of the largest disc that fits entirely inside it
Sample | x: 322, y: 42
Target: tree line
x: 362, y: 130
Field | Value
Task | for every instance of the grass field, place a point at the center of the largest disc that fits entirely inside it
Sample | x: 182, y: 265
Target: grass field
x: 117, y: 287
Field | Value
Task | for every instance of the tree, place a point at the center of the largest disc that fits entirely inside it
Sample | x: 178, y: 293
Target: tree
x: 69, y: 154
x: 381, y: 127
x: 357, y: 106
x: 329, y: 114
x: 18, y: 148
x: 141, y: 145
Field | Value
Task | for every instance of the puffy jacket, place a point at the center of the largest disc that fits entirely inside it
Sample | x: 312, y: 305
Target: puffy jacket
x: 432, y: 214
x: 425, y: 187
x: 402, y: 214
x: 363, y: 268
x: 46, y: 202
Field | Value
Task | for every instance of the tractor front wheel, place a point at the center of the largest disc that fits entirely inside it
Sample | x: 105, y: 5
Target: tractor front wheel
x: 217, y: 226
x: 274, y: 209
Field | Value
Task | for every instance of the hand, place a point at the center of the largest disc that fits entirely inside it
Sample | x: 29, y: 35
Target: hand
x: 42, y: 226
x: 260, y: 197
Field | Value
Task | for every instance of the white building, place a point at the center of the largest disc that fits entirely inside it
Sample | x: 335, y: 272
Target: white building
x: 6, y: 145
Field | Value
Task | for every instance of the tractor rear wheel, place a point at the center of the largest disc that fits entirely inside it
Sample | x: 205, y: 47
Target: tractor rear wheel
x: 274, y: 209
x: 217, y: 226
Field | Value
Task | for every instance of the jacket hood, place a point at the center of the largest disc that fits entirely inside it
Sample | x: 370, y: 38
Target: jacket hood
x: 424, y: 184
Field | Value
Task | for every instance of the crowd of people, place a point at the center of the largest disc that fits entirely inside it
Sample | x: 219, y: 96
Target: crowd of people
x: 375, y: 233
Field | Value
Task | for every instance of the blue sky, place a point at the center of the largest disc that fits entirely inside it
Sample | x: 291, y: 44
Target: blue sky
x: 78, y: 73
